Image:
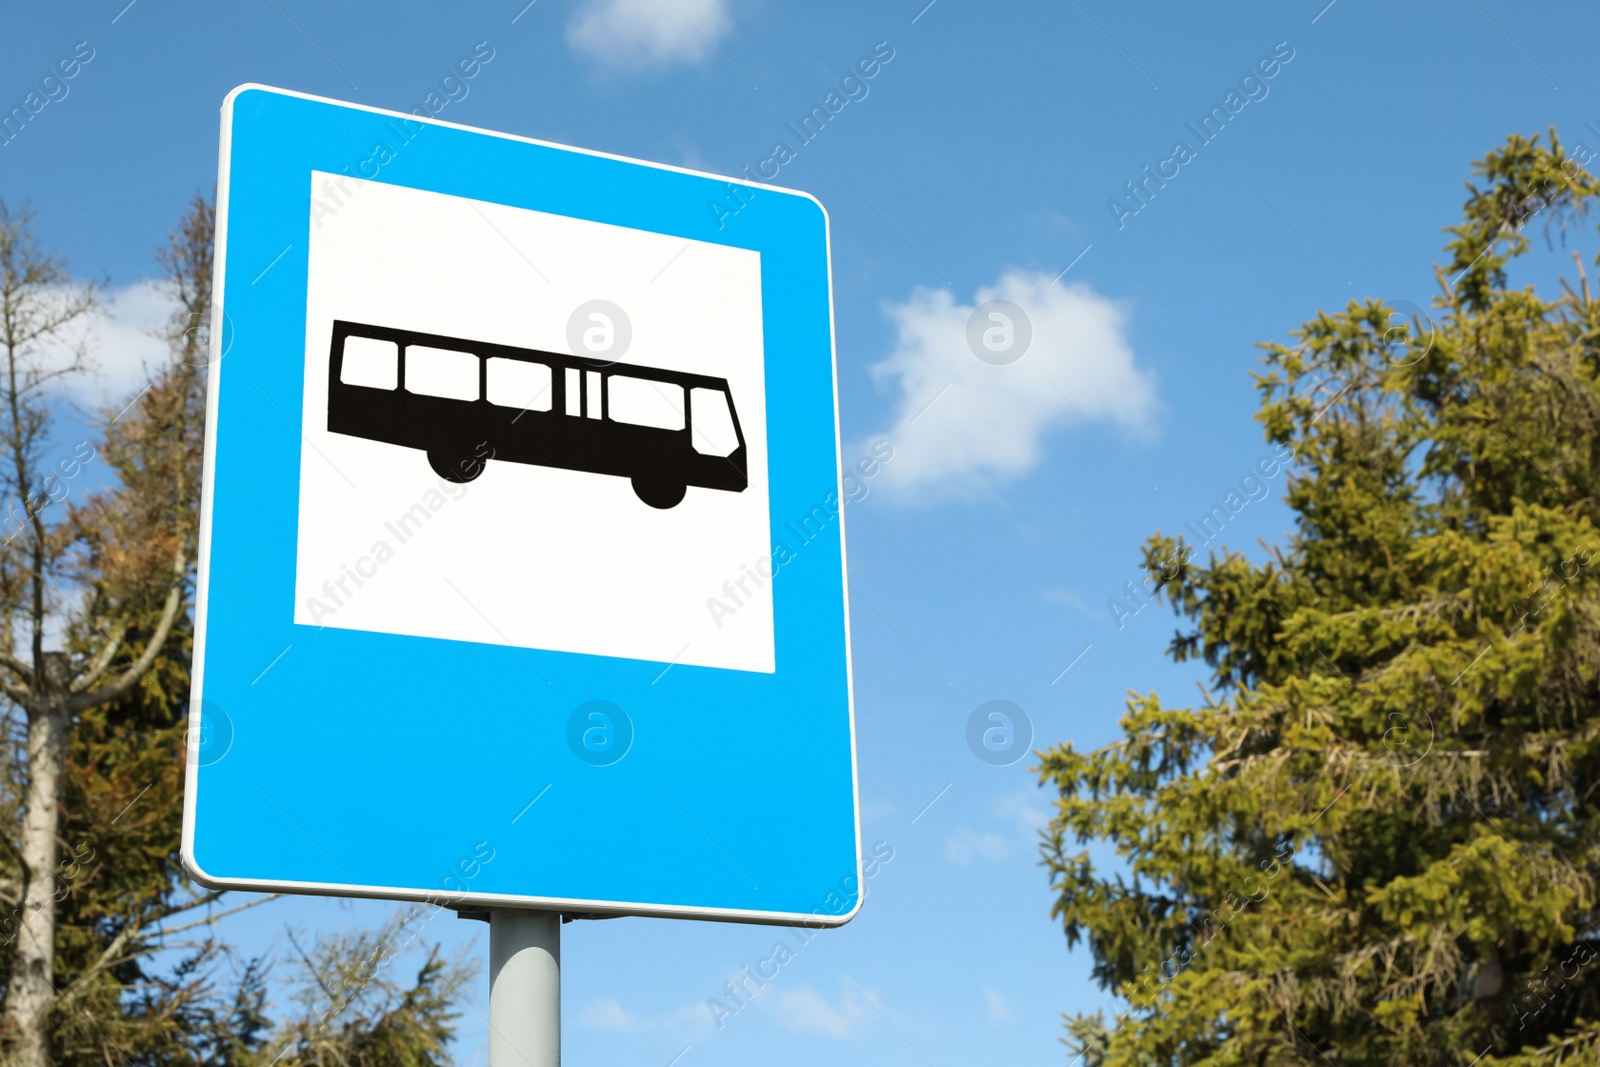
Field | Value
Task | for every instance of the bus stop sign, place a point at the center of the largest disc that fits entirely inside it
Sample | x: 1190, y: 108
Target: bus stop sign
x: 521, y: 575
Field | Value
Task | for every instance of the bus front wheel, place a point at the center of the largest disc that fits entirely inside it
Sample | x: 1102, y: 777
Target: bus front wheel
x: 659, y: 493
x: 456, y: 465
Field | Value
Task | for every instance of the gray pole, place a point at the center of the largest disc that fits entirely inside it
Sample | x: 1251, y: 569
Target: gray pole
x: 524, y: 988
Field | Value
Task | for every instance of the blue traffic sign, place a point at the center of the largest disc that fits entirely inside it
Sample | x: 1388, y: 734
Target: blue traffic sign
x: 522, y: 576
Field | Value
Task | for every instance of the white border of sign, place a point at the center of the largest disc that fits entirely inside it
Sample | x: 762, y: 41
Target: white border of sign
x: 472, y: 899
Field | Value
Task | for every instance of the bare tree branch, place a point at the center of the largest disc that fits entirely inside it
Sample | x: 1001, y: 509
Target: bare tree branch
x: 68, y: 998
x: 17, y: 667
x: 208, y: 920
x: 169, y: 614
x: 136, y: 929
x: 96, y: 668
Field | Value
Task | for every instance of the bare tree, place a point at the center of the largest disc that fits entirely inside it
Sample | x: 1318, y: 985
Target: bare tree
x: 64, y: 647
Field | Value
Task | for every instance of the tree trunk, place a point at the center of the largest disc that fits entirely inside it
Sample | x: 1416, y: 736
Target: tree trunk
x: 32, y: 990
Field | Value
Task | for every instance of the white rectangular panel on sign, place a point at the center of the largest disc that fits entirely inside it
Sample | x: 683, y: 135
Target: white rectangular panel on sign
x: 405, y: 553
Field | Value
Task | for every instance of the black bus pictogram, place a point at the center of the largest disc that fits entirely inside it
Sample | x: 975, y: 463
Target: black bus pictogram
x: 463, y: 402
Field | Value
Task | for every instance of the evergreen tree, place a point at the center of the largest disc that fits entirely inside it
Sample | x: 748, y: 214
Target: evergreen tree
x: 1376, y: 839
x: 351, y: 1013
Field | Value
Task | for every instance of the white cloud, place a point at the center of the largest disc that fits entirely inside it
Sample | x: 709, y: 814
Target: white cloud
x: 1019, y: 816
x: 963, y: 425
x: 967, y: 844
x: 122, y: 343
x: 999, y: 1010
x: 606, y: 1014
x: 1023, y: 809
x: 1072, y: 599
x: 877, y: 810
x: 804, y: 1010
x: 620, y: 33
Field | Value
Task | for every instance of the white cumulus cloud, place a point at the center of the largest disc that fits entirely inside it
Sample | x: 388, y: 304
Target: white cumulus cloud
x: 964, y: 425
x: 121, y: 342
x: 966, y: 845
x: 804, y: 1010
x: 125, y: 344
x: 623, y: 33
x: 1024, y: 810
x: 606, y: 1014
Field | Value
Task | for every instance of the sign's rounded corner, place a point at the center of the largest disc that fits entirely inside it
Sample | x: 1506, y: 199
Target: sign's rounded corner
x: 192, y: 868
x: 833, y: 922
x: 237, y: 91
x: 822, y: 209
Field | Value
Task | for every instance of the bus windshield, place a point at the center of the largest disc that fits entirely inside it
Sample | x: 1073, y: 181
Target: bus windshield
x: 714, y: 431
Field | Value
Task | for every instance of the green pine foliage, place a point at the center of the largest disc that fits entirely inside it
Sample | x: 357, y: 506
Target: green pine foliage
x: 1376, y: 839
x: 352, y: 1012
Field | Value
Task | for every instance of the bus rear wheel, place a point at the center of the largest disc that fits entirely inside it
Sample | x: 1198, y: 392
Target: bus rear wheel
x: 456, y: 464
x: 658, y: 492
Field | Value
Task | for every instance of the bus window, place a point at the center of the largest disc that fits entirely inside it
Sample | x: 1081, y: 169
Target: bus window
x: 714, y: 433
x: 574, y: 396
x: 643, y: 402
x: 516, y: 383
x: 370, y: 362
x: 441, y: 372
x: 591, y: 396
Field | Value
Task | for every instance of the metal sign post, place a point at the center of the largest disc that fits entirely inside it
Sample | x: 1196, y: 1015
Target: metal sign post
x: 524, y: 988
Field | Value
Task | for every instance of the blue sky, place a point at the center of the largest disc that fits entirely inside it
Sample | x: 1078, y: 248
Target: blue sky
x: 980, y: 163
